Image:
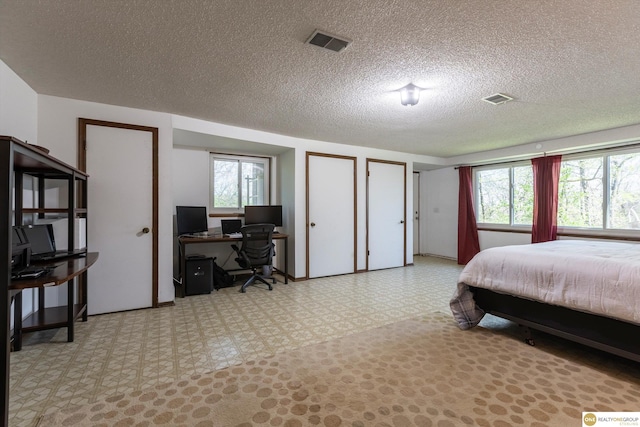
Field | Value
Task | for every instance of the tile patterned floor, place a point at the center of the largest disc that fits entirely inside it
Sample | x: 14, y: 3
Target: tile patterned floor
x: 122, y: 352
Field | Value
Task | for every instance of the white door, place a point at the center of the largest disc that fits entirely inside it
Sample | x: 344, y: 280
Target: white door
x: 331, y: 215
x: 416, y: 213
x: 386, y: 210
x: 119, y: 164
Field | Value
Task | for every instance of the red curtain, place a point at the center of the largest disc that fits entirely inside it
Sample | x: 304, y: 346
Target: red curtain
x: 468, y: 243
x: 546, y: 174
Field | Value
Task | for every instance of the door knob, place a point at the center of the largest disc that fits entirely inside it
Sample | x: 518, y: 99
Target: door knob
x: 313, y: 224
x: 145, y: 230
x: 401, y: 221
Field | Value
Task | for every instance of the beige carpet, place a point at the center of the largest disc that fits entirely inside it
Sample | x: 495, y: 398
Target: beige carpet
x: 422, y: 372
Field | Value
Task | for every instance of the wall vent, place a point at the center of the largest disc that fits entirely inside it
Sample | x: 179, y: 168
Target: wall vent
x: 328, y: 41
x: 497, y: 99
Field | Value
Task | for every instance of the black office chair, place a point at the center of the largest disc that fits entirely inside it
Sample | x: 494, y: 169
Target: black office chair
x: 256, y: 252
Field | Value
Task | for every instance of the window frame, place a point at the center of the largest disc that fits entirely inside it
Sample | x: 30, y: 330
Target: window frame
x: 476, y: 198
x: 241, y: 158
x: 605, y: 231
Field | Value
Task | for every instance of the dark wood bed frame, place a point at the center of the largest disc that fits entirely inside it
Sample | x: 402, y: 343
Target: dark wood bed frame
x: 604, y: 333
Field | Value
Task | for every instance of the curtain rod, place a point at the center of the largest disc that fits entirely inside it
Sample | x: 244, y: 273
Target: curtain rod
x: 595, y: 150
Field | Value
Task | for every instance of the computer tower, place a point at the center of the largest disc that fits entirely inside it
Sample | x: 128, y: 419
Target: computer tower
x: 198, y: 276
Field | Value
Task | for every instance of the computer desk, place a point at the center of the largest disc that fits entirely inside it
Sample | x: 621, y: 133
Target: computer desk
x: 184, y: 241
x: 63, y: 271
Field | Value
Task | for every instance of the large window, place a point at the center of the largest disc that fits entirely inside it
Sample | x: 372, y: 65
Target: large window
x: 624, y: 191
x: 580, y: 193
x: 238, y: 181
x: 596, y: 192
x: 504, y: 195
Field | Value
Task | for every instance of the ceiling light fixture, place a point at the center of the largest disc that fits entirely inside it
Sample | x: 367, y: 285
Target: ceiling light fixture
x: 410, y: 94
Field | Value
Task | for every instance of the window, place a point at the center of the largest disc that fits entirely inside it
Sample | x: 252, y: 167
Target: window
x: 595, y: 192
x: 238, y: 181
x: 624, y: 191
x: 583, y: 201
x: 580, y: 193
x: 493, y: 196
x: 505, y: 195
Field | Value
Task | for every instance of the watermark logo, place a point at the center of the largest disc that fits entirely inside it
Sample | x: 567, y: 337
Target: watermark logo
x: 589, y: 419
x: 611, y: 419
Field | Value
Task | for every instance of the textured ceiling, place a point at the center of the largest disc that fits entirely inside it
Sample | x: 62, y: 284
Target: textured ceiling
x: 571, y: 65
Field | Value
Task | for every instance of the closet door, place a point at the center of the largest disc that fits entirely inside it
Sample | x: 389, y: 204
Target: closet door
x: 120, y: 228
x: 386, y: 214
x: 331, y: 215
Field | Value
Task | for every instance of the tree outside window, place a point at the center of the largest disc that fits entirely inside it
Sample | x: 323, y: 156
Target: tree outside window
x: 523, y: 195
x: 493, y: 196
x: 505, y: 195
x: 580, y: 195
x: 624, y: 191
x: 237, y: 182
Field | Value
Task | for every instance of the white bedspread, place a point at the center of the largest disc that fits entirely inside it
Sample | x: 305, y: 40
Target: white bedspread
x: 595, y: 277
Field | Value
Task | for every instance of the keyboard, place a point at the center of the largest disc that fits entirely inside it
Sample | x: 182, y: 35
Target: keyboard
x: 234, y: 235
x: 203, y: 235
x: 31, y: 272
x: 52, y: 256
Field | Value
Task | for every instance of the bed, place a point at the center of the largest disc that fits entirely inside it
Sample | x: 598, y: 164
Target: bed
x: 585, y: 291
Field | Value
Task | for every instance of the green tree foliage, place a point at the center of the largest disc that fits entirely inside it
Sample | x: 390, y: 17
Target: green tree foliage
x: 580, y: 194
x: 624, y: 183
x: 493, y: 197
x: 225, y: 183
x: 523, y: 195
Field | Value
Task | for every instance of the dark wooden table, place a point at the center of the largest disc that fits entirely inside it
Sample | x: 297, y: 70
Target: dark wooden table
x: 64, y: 271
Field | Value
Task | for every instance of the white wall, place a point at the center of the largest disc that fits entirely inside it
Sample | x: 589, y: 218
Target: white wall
x: 190, y: 178
x: 57, y: 129
x: 298, y: 175
x: 490, y: 239
x: 19, y: 118
x: 18, y: 107
x: 286, y: 183
x: 439, y: 212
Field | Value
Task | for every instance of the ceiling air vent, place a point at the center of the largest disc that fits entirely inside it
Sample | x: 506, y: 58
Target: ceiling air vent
x: 328, y: 41
x: 497, y: 99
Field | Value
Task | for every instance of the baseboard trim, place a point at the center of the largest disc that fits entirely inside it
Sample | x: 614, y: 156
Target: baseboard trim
x: 166, y: 304
x: 440, y: 256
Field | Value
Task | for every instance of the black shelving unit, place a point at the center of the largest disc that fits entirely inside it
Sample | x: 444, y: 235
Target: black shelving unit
x: 17, y: 160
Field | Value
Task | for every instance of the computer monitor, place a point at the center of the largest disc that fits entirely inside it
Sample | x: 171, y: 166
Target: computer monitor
x: 191, y: 219
x: 230, y: 226
x: 263, y: 215
x: 17, y: 238
x: 20, y: 249
x: 40, y: 236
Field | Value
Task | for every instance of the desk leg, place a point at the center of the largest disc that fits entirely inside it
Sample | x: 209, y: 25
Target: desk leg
x: 182, y: 266
x: 83, y: 296
x: 286, y: 260
x: 70, y: 308
x: 17, y: 321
